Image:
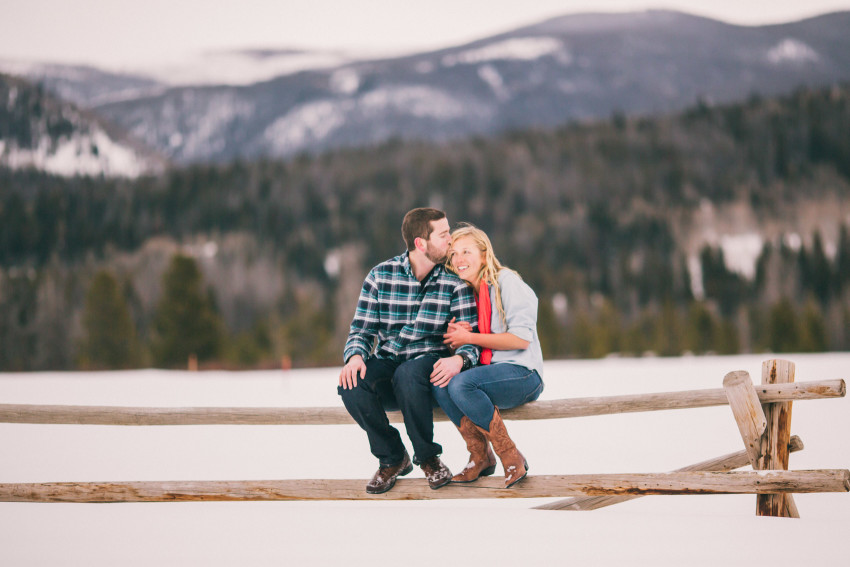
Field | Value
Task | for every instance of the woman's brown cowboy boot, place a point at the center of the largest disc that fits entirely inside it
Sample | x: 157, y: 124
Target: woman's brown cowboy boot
x: 513, y: 462
x: 482, y: 461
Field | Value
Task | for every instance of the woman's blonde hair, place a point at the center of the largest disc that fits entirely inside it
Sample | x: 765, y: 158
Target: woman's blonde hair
x: 490, y: 267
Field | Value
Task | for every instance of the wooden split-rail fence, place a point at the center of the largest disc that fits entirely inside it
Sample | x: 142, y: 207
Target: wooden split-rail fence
x: 762, y: 413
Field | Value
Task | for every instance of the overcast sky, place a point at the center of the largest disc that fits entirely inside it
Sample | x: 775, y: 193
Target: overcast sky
x: 117, y: 32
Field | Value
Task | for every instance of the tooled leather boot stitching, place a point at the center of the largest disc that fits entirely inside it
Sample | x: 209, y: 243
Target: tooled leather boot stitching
x: 482, y: 461
x: 515, y: 465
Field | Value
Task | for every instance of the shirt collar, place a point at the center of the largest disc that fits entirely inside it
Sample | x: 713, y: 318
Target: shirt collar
x: 408, y: 268
x: 405, y: 263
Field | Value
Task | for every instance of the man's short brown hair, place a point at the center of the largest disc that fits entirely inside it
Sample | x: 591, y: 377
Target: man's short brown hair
x: 417, y: 224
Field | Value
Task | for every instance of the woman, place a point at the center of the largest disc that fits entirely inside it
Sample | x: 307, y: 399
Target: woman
x: 511, y: 362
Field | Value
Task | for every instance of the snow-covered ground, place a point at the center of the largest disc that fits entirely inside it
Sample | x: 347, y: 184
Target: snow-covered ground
x: 665, y: 530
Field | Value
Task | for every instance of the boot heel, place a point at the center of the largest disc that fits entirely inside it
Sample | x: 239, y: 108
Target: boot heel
x: 489, y: 471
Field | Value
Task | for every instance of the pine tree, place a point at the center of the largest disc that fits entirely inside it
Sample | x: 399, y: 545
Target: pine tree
x: 668, y: 331
x: 842, y: 261
x: 820, y: 277
x: 783, y: 328
x: 110, y: 336
x: 727, y: 339
x: 185, y: 322
x: 701, y: 329
x: 813, y: 336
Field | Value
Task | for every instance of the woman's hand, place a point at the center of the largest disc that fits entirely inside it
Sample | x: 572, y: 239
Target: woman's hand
x: 458, y: 334
x: 461, y: 324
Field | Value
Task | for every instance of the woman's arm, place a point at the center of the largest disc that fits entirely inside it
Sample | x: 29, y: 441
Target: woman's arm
x: 520, y: 304
x: 457, y: 336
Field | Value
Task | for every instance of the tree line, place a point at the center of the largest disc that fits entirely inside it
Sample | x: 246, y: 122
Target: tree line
x: 591, y: 215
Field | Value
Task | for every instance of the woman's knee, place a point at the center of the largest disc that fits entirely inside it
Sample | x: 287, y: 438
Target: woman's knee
x: 461, y: 387
x: 441, y: 395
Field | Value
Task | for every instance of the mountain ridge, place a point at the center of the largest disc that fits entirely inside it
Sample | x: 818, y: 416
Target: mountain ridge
x: 569, y: 68
x: 38, y: 130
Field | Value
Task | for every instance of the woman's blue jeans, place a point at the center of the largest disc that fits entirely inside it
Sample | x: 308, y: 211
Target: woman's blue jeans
x: 475, y: 392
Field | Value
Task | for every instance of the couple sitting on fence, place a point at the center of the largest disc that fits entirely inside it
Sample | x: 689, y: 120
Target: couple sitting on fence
x: 413, y: 339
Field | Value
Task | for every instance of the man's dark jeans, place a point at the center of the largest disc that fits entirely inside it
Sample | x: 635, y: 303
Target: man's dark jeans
x: 391, y: 385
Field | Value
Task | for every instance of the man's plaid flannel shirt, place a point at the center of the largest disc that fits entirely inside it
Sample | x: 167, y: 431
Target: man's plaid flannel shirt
x: 406, y: 318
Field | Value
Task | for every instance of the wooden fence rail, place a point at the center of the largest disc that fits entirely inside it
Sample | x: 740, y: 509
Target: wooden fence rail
x: 728, y: 462
x: 763, y: 415
x: 692, y: 482
x: 548, y: 409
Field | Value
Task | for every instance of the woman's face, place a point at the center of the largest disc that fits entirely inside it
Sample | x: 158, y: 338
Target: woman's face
x: 467, y: 259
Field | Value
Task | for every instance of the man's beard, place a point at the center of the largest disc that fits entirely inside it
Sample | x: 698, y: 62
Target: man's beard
x: 435, y: 255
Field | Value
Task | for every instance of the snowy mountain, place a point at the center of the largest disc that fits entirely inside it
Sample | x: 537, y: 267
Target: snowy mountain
x: 578, y: 67
x: 89, y: 87
x: 40, y: 131
x: 83, y: 85
x: 244, y: 67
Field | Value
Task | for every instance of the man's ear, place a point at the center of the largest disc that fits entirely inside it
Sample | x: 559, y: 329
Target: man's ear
x: 419, y: 243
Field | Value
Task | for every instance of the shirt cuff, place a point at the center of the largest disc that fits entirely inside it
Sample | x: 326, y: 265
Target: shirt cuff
x: 346, y: 356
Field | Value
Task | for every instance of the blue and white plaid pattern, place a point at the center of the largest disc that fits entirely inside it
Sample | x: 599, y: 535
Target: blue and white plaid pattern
x: 402, y: 319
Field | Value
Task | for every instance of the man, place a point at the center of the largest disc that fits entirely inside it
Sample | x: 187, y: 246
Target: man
x: 396, y: 346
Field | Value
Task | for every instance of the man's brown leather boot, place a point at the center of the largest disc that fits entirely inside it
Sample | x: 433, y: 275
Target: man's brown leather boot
x: 386, y: 475
x: 436, y: 472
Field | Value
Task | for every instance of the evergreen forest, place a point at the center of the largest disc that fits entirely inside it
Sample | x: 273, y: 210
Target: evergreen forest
x: 248, y: 265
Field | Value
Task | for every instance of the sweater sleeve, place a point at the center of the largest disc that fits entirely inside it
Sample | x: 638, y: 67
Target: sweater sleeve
x: 520, y: 304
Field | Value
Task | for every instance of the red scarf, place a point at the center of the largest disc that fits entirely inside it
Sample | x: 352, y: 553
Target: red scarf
x: 484, y: 314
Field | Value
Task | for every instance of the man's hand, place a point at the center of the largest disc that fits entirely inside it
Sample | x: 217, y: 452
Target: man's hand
x: 445, y: 369
x: 348, y: 376
x: 458, y: 334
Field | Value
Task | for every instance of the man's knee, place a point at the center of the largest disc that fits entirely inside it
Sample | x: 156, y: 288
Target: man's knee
x: 354, y: 395
x: 413, y: 376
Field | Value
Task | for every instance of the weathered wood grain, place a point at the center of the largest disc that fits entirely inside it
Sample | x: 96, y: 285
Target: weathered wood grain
x: 724, y: 463
x: 699, y: 482
x: 547, y: 409
x: 748, y: 412
x: 774, y: 450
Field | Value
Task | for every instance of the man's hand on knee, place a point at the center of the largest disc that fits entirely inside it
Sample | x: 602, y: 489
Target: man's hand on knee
x: 348, y: 376
x: 445, y: 369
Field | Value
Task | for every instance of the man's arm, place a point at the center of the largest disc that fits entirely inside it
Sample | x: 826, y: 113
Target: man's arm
x: 462, y: 309
x: 361, y: 335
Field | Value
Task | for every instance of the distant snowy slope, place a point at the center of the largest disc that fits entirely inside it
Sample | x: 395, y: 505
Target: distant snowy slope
x: 242, y: 67
x: 571, y: 68
x: 83, y: 85
x: 577, y: 67
x: 39, y: 131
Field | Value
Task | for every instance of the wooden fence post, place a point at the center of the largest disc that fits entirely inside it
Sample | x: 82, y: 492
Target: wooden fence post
x: 748, y: 412
x: 764, y: 438
x: 777, y: 436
